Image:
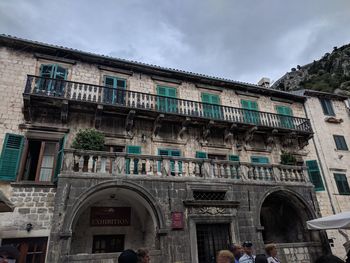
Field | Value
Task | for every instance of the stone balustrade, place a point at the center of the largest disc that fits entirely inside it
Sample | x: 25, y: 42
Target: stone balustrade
x: 117, y: 164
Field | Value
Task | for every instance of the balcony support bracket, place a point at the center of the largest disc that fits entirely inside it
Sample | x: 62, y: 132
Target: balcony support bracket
x: 304, y: 141
x: 270, y: 138
x: 27, y: 110
x: 64, y: 111
x: 206, y: 130
x: 185, y: 125
x: 289, y: 140
x: 157, y: 124
x: 249, y: 134
x: 229, y: 133
x: 129, y: 122
x: 98, y: 116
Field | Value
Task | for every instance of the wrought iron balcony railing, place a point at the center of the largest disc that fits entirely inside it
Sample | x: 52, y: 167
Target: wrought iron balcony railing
x: 77, y: 91
x: 121, y: 164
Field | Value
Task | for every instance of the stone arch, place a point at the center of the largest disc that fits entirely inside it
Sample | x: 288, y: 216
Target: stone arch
x: 150, y: 203
x: 282, y: 210
x: 5, y: 204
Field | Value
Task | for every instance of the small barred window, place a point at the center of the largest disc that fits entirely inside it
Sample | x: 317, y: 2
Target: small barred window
x: 208, y: 195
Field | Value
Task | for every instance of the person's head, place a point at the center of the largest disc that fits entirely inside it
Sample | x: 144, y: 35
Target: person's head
x: 271, y: 250
x: 128, y: 256
x: 225, y: 256
x: 8, y: 254
x: 236, y: 250
x: 143, y: 255
x: 248, y: 247
x: 261, y: 258
x: 329, y: 259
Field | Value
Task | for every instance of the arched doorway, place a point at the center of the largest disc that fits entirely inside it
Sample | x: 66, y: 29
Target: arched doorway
x: 109, y: 218
x: 283, y: 216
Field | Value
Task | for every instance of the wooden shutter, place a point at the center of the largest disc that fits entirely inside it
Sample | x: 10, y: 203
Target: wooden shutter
x: 340, y: 142
x: 315, y: 175
x: 284, y: 110
x: 134, y: 149
x: 162, y: 91
x: 59, y: 158
x: 342, y: 183
x: 206, y: 98
x: 234, y: 158
x: 259, y: 159
x: 47, y: 71
x: 11, y: 156
x: 60, y: 72
x: 171, y: 92
x: 201, y: 155
x: 327, y: 107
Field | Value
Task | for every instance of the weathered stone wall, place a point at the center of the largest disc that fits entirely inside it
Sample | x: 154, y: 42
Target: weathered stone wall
x: 331, y: 161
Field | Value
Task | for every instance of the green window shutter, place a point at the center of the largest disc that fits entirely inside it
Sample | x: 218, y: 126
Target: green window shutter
x: 59, y: 158
x: 171, y: 92
x: 259, y: 159
x: 234, y: 158
x: 60, y: 72
x: 162, y: 91
x: 205, y: 97
x: 133, y: 149
x: 254, y: 105
x: 284, y: 110
x: 315, y: 175
x: 340, y: 142
x: 201, y: 155
x: 166, y: 104
x: 47, y: 71
x: 342, y: 183
x: 245, y: 104
x: 327, y: 107
x: 11, y: 156
x: 249, y: 116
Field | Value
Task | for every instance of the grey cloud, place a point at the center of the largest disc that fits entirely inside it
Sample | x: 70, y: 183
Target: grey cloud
x: 240, y: 40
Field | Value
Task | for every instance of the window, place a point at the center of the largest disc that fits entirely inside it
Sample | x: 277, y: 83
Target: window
x: 108, y: 243
x: 31, y: 249
x: 251, y: 116
x: 170, y: 152
x: 114, y: 93
x: 342, y: 184
x: 167, y: 102
x: 340, y: 142
x: 201, y: 155
x: 327, y: 106
x: 42, y: 160
x: 315, y: 175
x: 211, y: 109
x: 233, y: 158
x: 259, y: 159
x: 209, y: 195
x: 132, y: 150
x: 286, y: 121
x: 52, y: 79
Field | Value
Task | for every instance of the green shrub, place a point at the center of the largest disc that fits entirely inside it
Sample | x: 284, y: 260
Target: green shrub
x: 89, y: 139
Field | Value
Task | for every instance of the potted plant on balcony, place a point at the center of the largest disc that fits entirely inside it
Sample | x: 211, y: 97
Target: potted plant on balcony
x: 288, y: 158
x: 90, y: 140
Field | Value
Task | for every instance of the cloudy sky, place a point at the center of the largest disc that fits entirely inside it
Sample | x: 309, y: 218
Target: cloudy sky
x: 236, y: 39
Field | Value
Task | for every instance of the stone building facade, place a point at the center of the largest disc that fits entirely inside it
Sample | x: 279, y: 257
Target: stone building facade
x: 329, y: 157
x: 191, y: 164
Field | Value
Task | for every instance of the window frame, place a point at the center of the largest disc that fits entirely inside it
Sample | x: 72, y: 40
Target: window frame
x: 309, y: 171
x: 327, y: 106
x: 24, y: 158
x: 344, y: 183
x: 340, y: 142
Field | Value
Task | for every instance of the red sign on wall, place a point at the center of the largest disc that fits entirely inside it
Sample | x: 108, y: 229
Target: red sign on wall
x: 110, y: 216
x: 177, y: 220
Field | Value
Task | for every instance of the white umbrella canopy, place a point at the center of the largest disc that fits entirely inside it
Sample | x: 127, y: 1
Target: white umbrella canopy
x: 337, y: 221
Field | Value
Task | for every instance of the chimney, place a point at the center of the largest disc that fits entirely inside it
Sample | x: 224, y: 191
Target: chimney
x: 264, y: 82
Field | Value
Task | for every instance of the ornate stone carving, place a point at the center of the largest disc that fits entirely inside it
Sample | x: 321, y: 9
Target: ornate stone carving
x: 210, y: 210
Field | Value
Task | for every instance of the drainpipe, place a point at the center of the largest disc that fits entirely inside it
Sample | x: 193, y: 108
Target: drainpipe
x: 325, y: 181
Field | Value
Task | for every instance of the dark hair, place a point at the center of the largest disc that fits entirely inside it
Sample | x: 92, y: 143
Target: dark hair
x: 142, y: 252
x: 329, y: 259
x: 261, y: 258
x: 128, y: 256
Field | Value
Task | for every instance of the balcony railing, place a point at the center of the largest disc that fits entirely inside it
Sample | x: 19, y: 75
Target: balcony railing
x: 131, y: 99
x: 114, y: 164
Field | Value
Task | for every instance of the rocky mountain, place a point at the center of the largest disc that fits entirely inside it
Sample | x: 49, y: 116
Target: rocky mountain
x: 331, y: 74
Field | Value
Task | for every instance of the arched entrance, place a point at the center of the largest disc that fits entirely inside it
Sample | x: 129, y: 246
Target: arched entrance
x: 283, y: 216
x: 111, y: 217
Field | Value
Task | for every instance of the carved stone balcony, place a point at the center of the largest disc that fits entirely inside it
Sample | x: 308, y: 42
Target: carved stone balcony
x: 110, y: 165
x: 69, y: 95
